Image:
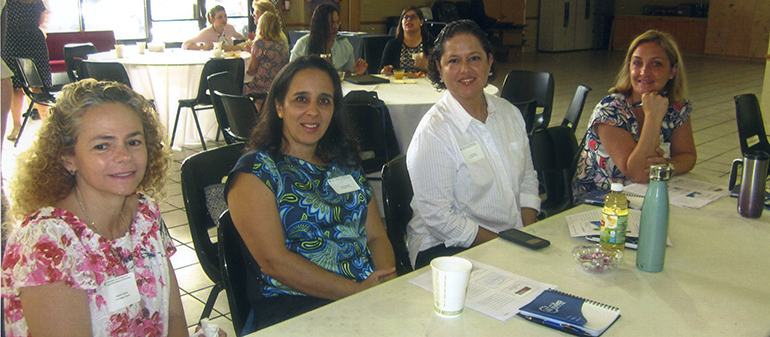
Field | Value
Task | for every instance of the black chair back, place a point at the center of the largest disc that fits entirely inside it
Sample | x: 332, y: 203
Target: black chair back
x: 107, y: 71
x: 31, y: 79
x: 235, y: 66
x: 553, y: 155
x: 241, y: 115
x: 234, y: 271
x: 74, y: 54
x: 370, y: 132
x: 204, y: 200
x: 396, y: 196
x: 434, y: 27
x: 751, y: 127
x: 374, y: 47
x: 528, y: 110
x: 524, y: 85
x: 575, y: 110
x: 224, y: 83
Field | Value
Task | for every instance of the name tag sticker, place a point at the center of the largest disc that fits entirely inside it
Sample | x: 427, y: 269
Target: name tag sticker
x: 344, y: 184
x: 120, y: 291
x: 472, y: 152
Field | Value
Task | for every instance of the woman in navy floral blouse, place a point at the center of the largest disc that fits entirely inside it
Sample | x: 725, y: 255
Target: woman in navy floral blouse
x: 301, y: 202
x: 644, y: 121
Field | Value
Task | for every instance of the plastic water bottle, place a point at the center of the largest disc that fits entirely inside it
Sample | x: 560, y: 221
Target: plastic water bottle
x: 614, y: 219
x: 653, y: 229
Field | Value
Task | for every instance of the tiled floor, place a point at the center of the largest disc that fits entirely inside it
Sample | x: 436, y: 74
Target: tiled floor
x: 713, y: 83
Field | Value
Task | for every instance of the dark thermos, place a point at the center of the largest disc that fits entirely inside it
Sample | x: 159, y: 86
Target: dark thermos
x: 751, y: 199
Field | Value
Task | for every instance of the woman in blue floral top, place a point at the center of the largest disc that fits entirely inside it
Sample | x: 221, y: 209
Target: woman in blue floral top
x: 301, y: 202
x: 644, y: 121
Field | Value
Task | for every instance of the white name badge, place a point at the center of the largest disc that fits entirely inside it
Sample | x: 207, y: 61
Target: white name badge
x: 472, y: 152
x: 344, y: 184
x: 120, y: 291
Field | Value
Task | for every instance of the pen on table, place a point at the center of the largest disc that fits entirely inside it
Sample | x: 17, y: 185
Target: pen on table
x: 564, y: 327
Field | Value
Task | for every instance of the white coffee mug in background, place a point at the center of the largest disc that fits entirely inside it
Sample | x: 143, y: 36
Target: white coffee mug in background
x: 450, y: 284
x: 119, y: 51
x: 141, y: 46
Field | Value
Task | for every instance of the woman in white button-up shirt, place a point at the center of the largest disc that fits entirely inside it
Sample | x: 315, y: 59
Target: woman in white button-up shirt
x: 469, y: 159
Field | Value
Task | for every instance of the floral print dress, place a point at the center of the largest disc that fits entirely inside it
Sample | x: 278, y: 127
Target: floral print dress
x: 595, y: 168
x: 54, y: 245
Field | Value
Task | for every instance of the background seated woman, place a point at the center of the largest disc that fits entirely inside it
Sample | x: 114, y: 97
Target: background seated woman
x: 90, y: 230
x: 269, y: 54
x: 469, y: 159
x: 410, y: 48
x: 323, y: 40
x: 301, y: 202
x: 219, y: 31
x: 645, y: 117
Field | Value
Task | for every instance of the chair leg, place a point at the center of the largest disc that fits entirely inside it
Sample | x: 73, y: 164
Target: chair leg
x: 176, y: 121
x: 23, y: 123
x: 211, y: 300
x: 198, y: 125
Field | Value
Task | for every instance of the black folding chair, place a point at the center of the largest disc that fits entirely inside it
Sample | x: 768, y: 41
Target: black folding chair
x: 203, y: 101
x: 204, y: 202
x: 524, y: 85
x: 32, y: 82
x: 234, y: 267
x: 241, y: 116
x: 106, y: 71
x: 74, y: 54
x: 575, y: 110
x: 396, y: 196
x: 224, y: 83
x: 751, y: 127
x: 553, y: 156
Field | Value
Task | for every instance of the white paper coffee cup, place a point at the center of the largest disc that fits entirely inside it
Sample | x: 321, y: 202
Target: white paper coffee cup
x: 450, y: 284
x: 141, y: 46
x: 119, y: 51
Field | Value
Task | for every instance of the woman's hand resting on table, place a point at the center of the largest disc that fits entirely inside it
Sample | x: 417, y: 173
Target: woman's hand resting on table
x: 360, y: 67
x: 375, y: 278
x: 387, y: 70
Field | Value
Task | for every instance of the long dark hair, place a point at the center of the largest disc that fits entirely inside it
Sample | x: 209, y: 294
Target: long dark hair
x: 336, y: 145
x: 426, y: 37
x: 452, y: 29
x: 319, y: 29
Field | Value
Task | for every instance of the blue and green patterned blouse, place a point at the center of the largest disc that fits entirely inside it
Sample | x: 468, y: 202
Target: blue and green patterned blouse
x: 319, y: 224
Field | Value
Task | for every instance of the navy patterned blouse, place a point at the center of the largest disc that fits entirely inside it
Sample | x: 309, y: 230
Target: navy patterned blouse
x: 595, y: 168
x: 319, y: 224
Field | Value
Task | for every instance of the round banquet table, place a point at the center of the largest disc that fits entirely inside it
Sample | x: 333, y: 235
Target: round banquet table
x: 407, y: 103
x: 167, y: 77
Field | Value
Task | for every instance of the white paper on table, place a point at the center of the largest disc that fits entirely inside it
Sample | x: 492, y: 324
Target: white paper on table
x: 493, y: 291
x: 684, y: 192
x: 589, y: 223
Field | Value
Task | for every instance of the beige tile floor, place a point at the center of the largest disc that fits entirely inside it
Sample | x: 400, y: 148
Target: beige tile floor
x: 713, y: 83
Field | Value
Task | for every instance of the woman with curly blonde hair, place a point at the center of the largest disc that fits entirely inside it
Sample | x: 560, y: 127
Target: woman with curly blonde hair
x: 91, y: 252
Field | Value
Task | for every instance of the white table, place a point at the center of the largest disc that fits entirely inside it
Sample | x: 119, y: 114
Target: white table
x: 407, y: 103
x: 168, y: 77
x: 716, y: 282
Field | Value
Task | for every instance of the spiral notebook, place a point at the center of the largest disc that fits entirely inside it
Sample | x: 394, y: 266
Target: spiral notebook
x: 569, y: 313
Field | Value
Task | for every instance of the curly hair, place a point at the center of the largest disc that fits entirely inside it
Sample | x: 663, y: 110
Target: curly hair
x: 452, y: 29
x: 676, y: 87
x: 336, y: 145
x: 319, y: 29
x: 41, y: 178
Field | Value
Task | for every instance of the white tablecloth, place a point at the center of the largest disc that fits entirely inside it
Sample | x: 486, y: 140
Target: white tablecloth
x: 168, y: 77
x: 407, y: 103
